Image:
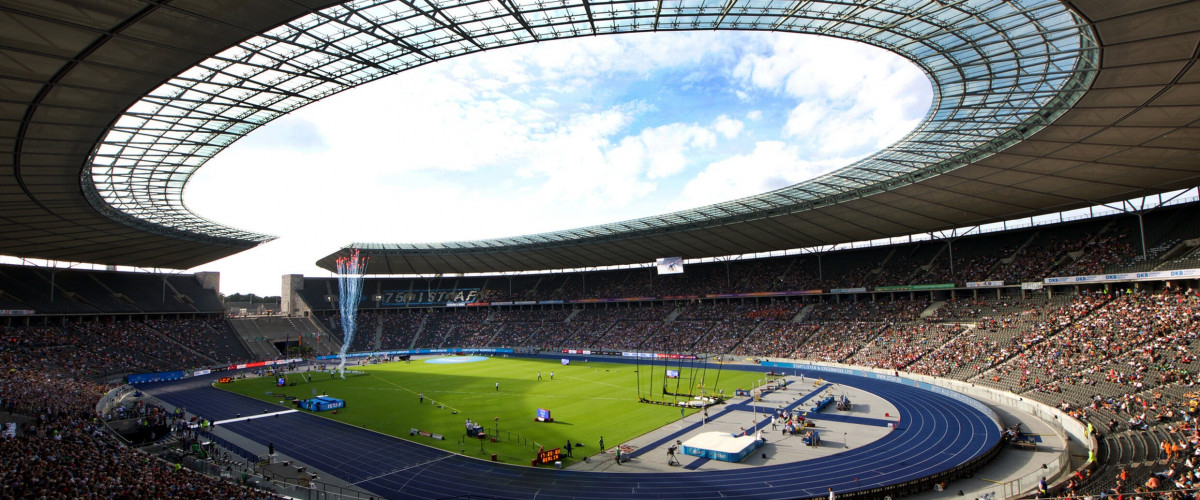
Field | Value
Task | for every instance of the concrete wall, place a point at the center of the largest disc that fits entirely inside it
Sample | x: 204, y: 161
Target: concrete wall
x: 210, y: 281
x: 290, y: 302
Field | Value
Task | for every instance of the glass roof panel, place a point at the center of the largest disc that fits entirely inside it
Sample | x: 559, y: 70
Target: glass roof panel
x: 996, y: 65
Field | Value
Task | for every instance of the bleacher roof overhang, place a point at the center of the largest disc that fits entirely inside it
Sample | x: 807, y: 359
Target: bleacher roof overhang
x: 1039, y: 107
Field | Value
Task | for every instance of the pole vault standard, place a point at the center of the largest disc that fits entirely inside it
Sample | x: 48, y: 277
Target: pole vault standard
x: 719, y: 366
x: 651, y: 386
x: 666, y: 380
x: 637, y: 359
x: 678, y: 375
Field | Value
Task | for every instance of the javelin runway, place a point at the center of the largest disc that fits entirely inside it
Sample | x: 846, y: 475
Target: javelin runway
x: 937, y: 434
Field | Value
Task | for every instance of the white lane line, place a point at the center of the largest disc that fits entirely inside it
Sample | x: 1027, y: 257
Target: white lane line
x: 243, y: 419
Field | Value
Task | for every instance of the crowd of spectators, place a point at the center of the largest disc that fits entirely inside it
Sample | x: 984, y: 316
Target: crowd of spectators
x: 1122, y: 359
x: 64, y: 449
x: 209, y: 338
x: 898, y: 346
x: 1082, y: 247
x: 967, y: 354
x: 776, y: 339
x: 442, y: 324
x: 1099, y: 253
x: 71, y: 465
x: 836, y: 341
x: 868, y: 310
x: 98, y: 347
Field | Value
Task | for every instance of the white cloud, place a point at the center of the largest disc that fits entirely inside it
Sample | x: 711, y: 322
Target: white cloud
x: 771, y: 165
x: 841, y: 113
x: 548, y: 136
x: 728, y: 127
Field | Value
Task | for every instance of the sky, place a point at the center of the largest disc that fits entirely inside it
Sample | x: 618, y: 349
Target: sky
x: 549, y: 136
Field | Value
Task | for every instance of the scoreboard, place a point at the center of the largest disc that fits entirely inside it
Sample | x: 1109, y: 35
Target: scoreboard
x: 224, y: 380
x: 549, y: 456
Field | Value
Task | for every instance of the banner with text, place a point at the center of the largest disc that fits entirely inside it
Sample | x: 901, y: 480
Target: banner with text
x: 657, y: 355
x: 1142, y: 276
x: 401, y: 352
x: 913, y: 288
x: 458, y: 297
x: 16, y: 312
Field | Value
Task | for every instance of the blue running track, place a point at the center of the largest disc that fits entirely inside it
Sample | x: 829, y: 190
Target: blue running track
x: 936, y: 434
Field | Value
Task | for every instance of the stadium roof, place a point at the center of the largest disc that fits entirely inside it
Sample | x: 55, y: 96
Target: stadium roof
x: 1039, y: 106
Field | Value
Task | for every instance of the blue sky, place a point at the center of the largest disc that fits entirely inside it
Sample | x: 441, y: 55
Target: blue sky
x: 552, y: 136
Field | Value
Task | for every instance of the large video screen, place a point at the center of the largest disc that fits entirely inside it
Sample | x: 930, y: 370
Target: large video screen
x: 669, y: 265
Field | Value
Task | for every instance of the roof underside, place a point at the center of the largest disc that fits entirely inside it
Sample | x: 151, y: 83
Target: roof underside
x: 109, y: 106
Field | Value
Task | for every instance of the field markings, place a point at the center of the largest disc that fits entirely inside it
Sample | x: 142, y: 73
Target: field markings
x: 414, y: 393
x: 502, y: 394
x: 593, y: 381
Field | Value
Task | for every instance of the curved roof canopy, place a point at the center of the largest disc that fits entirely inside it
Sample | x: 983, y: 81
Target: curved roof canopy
x: 1039, y: 106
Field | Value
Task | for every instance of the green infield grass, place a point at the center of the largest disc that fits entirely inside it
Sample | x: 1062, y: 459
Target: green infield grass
x: 587, y: 400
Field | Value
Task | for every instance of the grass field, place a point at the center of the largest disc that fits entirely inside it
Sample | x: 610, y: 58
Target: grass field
x: 586, y: 400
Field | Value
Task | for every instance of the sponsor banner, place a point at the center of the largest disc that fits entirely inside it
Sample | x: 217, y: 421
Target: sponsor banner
x: 789, y: 293
x: 155, y: 377
x: 1108, y: 278
x: 654, y: 355
x: 456, y: 304
x: 680, y: 297
x: 551, y: 302
x: 394, y: 298
x: 984, y: 284
x: 525, y: 303
x: 502, y: 303
x: 576, y: 351
x: 624, y: 299
x: 401, y: 352
x: 911, y: 288
x: 860, y: 289
x: 198, y: 373
x: 16, y: 312
x: 1032, y: 285
x: 257, y: 364
x: 479, y: 304
x: 676, y: 356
